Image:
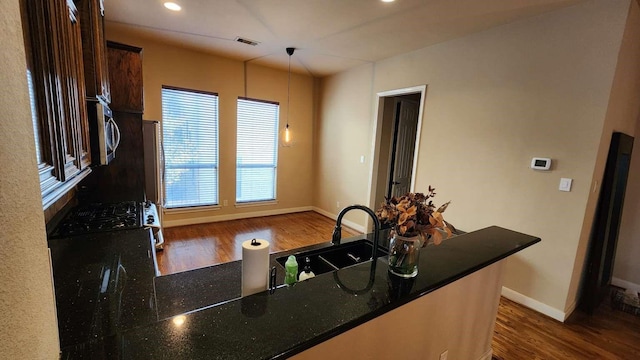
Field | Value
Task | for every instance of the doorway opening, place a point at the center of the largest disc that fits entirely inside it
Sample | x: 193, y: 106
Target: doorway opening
x: 606, y: 226
x: 396, y: 141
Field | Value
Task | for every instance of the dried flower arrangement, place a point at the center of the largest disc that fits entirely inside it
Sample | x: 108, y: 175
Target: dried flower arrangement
x: 414, y: 214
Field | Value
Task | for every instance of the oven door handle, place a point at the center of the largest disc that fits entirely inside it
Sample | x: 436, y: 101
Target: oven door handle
x: 117, y: 133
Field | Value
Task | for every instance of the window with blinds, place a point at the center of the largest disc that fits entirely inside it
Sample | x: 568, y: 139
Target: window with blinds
x: 190, y: 144
x: 34, y: 117
x: 257, y: 150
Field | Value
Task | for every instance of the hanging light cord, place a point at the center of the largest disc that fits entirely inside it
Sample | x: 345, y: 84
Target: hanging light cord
x: 244, y: 68
x: 289, y: 90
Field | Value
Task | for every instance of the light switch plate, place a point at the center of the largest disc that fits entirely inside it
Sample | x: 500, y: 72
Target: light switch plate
x: 565, y: 184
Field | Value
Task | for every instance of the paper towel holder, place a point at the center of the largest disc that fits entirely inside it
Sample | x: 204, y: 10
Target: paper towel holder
x: 272, y: 280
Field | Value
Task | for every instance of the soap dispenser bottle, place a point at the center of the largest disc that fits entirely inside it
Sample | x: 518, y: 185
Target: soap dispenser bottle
x: 291, y: 270
x: 307, y: 273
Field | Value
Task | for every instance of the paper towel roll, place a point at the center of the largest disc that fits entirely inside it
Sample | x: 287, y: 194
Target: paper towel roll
x: 255, y: 266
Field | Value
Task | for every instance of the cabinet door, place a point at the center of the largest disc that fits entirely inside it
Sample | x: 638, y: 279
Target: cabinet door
x: 125, y: 77
x: 74, y: 109
x: 54, y: 51
x: 41, y: 82
x: 94, y: 46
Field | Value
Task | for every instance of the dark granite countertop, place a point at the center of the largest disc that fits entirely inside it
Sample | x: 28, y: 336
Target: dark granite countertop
x: 103, y: 284
x: 199, y: 314
x: 202, y: 317
x: 195, y: 289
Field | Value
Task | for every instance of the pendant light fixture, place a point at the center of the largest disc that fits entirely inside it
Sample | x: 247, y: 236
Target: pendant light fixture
x: 286, y: 137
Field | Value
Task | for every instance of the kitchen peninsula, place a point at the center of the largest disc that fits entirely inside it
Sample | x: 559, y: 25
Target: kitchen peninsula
x: 450, y: 306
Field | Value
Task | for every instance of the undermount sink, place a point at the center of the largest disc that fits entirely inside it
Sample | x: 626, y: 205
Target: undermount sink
x: 334, y: 257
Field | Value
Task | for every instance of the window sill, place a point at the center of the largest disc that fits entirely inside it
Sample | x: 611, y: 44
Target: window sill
x: 57, y: 189
x: 185, y: 210
x: 256, y: 203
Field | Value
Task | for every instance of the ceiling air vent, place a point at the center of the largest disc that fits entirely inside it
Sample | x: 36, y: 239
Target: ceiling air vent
x: 247, y: 41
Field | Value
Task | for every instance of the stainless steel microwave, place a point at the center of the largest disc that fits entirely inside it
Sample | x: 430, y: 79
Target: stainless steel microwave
x: 105, y: 135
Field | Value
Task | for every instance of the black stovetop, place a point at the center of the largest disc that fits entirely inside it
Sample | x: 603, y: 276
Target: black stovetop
x: 99, y: 217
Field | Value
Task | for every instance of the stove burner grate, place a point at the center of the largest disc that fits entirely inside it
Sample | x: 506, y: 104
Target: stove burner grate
x: 99, y: 217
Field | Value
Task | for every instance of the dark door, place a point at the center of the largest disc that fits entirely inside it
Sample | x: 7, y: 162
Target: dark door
x: 404, y: 142
x: 604, y: 233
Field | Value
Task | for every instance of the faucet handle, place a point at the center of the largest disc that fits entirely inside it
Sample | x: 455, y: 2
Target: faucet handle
x: 337, y: 234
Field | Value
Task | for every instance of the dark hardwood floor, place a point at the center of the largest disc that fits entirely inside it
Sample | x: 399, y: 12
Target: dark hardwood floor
x: 520, y: 333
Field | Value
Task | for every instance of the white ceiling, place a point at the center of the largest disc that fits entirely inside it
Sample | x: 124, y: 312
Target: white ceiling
x: 330, y: 35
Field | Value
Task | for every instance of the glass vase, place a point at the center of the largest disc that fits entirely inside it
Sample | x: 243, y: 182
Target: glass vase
x: 404, y: 255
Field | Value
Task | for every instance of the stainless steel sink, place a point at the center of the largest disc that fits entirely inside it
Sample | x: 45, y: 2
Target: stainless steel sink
x: 334, y: 257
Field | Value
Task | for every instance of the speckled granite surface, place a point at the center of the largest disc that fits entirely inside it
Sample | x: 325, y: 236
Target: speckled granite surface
x: 191, y: 290
x: 103, y: 284
x: 291, y: 319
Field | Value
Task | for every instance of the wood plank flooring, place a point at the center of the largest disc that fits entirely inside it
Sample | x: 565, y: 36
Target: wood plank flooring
x: 520, y: 333
x: 195, y: 246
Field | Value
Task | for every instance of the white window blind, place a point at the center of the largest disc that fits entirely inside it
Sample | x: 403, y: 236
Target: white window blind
x: 257, y: 150
x: 34, y: 116
x: 190, y: 144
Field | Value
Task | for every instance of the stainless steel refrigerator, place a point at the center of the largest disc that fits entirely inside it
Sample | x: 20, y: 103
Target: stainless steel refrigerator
x: 153, y: 168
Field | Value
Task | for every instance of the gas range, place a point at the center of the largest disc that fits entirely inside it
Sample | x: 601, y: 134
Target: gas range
x: 150, y: 216
x: 101, y: 217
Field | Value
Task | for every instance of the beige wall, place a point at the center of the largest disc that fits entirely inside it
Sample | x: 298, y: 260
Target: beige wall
x: 344, y: 134
x: 458, y: 318
x: 627, y: 266
x: 170, y: 65
x: 537, y: 87
x: 386, y: 143
x: 622, y: 115
x: 28, y: 328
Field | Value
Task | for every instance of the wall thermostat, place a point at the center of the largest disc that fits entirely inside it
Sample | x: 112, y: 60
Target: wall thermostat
x: 540, y: 163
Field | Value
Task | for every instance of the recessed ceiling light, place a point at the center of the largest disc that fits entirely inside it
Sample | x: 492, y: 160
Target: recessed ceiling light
x: 172, y: 6
x: 388, y: 0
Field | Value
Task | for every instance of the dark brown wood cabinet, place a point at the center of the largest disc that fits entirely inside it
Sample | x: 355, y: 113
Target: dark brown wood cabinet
x: 123, y: 179
x: 94, y: 51
x: 57, y: 88
x: 125, y: 75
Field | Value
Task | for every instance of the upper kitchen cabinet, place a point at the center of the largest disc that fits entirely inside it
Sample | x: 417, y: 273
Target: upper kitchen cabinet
x: 94, y: 49
x: 57, y: 90
x: 125, y: 74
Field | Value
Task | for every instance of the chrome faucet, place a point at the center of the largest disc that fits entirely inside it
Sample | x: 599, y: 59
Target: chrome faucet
x: 337, y: 231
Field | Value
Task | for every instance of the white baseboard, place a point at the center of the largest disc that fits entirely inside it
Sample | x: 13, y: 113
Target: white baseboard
x: 628, y: 285
x: 536, y: 305
x: 245, y: 215
x: 346, y: 222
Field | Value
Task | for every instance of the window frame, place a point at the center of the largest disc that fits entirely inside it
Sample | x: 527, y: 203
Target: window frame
x: 187, y: 208
x: 274, y: 200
